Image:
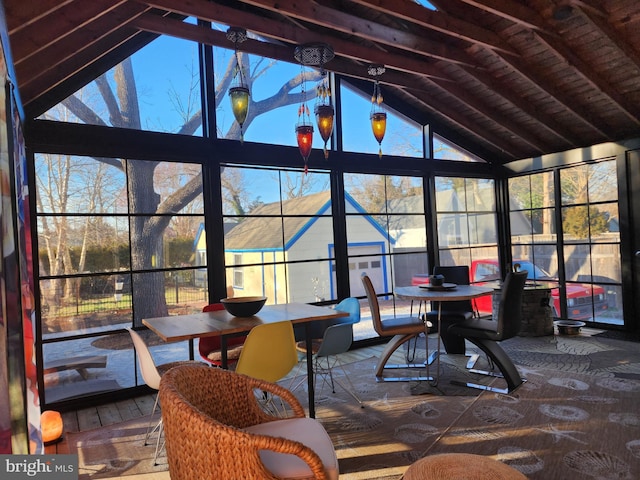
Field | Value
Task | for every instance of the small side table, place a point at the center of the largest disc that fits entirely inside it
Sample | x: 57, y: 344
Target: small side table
x: 448, y: 466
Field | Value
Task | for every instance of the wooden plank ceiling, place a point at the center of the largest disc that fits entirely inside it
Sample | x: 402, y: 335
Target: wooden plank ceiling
x: 504, y: 79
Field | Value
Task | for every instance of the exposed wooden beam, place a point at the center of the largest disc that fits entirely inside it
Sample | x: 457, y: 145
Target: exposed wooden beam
x: 295, y: 36
x: 58, y: 52
x: 589, y: 74
x: 375, y: 32
x: 538, y: 81
x: 492, y: 114
x: 21, y: 14
x: 514, y: 11
x: 44, y: 32
x: 441, y: 109
x: 168, y: 26
x: 437, y: 21
x: 82, y: 60
x: 546, y: 122
x: 601, y: 24
x: 619, y: 13
x: 323, y: 16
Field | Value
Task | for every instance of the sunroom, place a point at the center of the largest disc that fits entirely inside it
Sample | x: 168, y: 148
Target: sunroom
x: 144, y: 191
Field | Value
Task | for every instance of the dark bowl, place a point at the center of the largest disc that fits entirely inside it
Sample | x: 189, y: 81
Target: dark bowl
x: 436, y: 280
x: 569, y: 327
x: 243, y: 306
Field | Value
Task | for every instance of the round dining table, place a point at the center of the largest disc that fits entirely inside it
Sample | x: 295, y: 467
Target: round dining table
x: 448, y: 292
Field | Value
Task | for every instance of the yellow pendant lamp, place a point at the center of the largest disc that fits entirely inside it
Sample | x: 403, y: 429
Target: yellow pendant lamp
x: 239, y: 90
x: 378, y: 115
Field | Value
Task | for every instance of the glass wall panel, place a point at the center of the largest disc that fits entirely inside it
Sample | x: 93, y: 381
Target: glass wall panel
x: 119, y: 240
x: 466, y: 219
x: 85, y: 304
x: 163, y: 76
x: 445, y: 150
x: 94, y: 243
x: 279, y: 239
x: 111, y: 370
x: 402, y: 138
x: 467, y: 230
x: 590, y: 254
x: 386, y: 237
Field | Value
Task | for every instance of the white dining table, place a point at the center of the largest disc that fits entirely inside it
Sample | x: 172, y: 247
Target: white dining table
x: 220, y: 323
x: 447, y: 293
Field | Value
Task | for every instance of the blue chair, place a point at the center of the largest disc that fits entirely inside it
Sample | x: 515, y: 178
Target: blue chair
x: 337, y: 339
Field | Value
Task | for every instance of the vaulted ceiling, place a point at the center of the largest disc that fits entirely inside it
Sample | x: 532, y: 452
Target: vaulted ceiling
x: 504, y: 79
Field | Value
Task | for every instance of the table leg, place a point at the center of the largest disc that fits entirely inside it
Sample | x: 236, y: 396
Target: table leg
x: 436, y: 377
x: 433, y: 380
x: 310, y: 386
x: 223, y: 352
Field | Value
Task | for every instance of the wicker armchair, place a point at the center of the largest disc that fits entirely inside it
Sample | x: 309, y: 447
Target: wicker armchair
x: 215, y: 428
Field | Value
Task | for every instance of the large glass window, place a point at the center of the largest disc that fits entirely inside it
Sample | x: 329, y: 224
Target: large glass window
x: 386, y: 239
x: 467, y: 229
x: 402, y: 138
x: 532, y: 220
x: 117, y: 243
x: 278, y: 234
x: 589, y: 257
x: 591, y: 250
x: 156, y: 89
x: 445, y: 150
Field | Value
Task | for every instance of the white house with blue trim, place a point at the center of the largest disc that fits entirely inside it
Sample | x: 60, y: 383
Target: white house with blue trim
x: 258, y: 245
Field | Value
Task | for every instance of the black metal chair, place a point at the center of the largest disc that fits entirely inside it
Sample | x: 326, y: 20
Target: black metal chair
x: 452, y: 312
x: 486, y: 334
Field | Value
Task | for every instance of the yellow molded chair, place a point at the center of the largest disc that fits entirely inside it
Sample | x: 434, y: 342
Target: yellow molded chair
x: 269, y: 352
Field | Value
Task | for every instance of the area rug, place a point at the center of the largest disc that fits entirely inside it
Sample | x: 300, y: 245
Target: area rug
x: 558, y: 425
x: 397, y: 422
x: 576, y: 415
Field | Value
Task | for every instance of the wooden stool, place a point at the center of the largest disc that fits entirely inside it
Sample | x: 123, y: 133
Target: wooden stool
x: 460, y: 466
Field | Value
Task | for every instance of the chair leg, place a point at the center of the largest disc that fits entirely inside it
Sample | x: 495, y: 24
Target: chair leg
x: 158, y: 446
x: 396, y: 342
x: 473, y: 359
x: 328, y: 370
x: 295, y: 381
x: 157, y: 426
x: 499, y: 357
x: 351, y: 391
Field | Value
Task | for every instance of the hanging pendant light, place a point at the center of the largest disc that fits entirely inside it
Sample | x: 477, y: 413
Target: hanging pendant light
x: 324, y: 110
x: 239, y: 91
x: 378, y: 116
x: 314, y: 54
x: 304, y: 129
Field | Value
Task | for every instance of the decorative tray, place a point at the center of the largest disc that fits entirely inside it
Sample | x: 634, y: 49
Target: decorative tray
x: 444, y: 286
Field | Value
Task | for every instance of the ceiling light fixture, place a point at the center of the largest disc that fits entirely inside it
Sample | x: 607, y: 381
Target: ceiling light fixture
x: 378, y: 116
x: 239, y: 90
x: 314, y: 54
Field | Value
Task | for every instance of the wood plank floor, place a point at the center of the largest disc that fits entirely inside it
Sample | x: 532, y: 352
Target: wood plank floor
x: 110, y: 413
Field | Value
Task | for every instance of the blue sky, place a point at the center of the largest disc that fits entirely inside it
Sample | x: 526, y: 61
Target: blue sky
x: 166, y: 66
